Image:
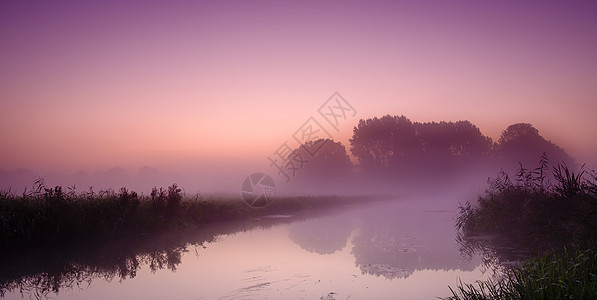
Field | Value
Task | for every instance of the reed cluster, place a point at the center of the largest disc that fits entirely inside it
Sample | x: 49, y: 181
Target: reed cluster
x: 549, y: 213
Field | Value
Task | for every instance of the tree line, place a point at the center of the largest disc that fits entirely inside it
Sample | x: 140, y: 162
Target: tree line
x: 395, y: 143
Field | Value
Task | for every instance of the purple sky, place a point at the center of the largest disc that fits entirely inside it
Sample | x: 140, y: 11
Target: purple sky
x: 92, y: 85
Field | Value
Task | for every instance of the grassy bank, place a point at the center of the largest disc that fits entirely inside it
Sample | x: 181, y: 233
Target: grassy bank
x: 559, y: 276
x: 549, y: 213
x: 49, y: 216
x: 533, y: 212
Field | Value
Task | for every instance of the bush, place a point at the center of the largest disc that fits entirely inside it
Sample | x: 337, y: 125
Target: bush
x: 534, y: 213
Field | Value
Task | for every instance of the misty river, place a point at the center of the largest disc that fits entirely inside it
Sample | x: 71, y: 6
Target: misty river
x: 393, y: 249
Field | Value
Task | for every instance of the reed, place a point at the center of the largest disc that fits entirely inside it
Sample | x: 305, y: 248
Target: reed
x: 53, y: 215
x: 530, y: 212
x: 567, y: 275
x: 533, y: 212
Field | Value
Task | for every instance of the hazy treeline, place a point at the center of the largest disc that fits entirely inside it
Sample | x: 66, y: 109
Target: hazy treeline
x: 394, y: 147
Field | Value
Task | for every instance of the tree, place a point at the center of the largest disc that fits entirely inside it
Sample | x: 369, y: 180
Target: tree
x: 522, y: 143
x: 379, y: 143
x: 519, y: 132
x: 461, y: 139
x: 392, y: 142
x: 320, y: 166
x: 470, y: 141
x: 329, y: 161
x: 435, y: 137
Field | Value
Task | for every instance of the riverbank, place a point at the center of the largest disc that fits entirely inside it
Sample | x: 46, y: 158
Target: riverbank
x: 567, y: 275
x: 53, y: 216
x: 556, y: 221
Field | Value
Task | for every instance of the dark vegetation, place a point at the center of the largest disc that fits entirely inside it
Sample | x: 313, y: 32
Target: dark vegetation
x: 558, y: 276
x: 47, y: 216
x: 391, y: 141
x: 530, y: 212
x: 534, y: 213
x: 395, y: 143
x: 394, y: 153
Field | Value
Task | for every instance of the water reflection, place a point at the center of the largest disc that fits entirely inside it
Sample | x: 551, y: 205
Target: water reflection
x: 40, y: 272
x: 497, y: 253
x: 369, y: 251
x: 393, y: 239
x: 322, y: 236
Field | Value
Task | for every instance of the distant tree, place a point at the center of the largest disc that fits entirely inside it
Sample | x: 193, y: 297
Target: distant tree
x: 521, y: 142
x: 519, y: 132
x: 436, y: 138
x: 380, y: 143
x: 330, y: 160
x: 392, y: 142
x: 469, y: 140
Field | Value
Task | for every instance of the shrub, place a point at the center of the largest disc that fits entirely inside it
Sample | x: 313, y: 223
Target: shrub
x: 532, y: 211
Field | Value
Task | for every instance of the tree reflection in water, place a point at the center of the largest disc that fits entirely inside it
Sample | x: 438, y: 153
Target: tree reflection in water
x: 392, y: 239
x: 322, y: 236
x: 42, y: 272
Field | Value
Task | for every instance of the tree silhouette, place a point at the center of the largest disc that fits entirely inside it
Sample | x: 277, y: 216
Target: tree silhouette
x: 470, y: 141
x: 436, y: 138
x: 522, y: 143
x: 517, y: 132
x: 381, y: 142
x: 392, y: 142
x: 330, y: 161
x: 461, y: 138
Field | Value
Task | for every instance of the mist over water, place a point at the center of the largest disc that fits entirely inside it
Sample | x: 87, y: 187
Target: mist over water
x: 402, y: 245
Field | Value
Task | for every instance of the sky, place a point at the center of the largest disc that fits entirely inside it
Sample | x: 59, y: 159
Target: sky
x: 218, y: 85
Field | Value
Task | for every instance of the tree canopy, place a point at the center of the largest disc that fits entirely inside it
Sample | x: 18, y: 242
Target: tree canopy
x: 522, y: 143
x: 329, y: 161
x: 392, y: 142
x: 388, y: 141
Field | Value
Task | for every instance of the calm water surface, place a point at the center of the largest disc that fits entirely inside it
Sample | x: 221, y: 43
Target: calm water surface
x: 402, y: 249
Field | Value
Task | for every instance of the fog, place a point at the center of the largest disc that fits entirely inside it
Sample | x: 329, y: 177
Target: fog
x: 386, y: 155
x: 226, y: 179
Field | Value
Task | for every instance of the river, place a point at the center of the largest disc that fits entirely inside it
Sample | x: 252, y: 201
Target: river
x: 398, y: 249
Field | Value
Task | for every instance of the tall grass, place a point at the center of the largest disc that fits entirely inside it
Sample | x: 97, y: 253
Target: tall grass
x: 559, y: 276
x: 52, y: 215
x: 530, y: 212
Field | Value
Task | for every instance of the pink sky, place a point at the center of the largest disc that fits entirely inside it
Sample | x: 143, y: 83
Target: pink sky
x: 179, y: 85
